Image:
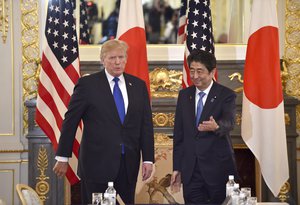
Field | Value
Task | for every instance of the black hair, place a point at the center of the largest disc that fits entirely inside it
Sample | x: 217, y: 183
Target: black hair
x: 206, y: 58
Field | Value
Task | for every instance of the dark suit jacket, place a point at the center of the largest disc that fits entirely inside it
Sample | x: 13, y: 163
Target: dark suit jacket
x: 213, y: 149
x: 103, y: 133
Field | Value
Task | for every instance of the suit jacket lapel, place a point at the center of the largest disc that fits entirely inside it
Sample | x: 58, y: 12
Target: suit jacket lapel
x: 130, y: 93
x: 191, y: 107
x: 108, y: 97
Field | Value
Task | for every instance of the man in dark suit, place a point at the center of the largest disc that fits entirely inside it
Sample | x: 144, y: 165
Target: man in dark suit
x: 203, y: 155
x: 111, y: 144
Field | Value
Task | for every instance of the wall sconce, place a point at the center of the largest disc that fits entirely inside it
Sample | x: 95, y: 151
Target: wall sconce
x: 4, y: 19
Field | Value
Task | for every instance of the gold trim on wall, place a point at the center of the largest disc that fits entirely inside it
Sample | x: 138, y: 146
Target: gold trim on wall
x: 30, y: 52
x: 42, y: 187
x: 164, y: 82
x: 4, y: 22
x: 163, y: 119
x: 291, y: 60
x: 162, y: 139
x: 13, y: 151
x: 19, y: 161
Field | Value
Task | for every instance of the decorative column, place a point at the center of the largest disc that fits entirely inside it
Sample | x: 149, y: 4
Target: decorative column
x: 41, y: 162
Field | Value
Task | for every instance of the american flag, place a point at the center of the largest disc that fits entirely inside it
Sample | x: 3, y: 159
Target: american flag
x: 84, y: 27
x: 59, y: 74
x: 199, y: 34
x: 182, y: 22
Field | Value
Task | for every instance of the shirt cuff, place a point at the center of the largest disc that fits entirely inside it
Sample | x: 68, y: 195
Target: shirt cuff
x: 62, y: 159
x: 148, y: 162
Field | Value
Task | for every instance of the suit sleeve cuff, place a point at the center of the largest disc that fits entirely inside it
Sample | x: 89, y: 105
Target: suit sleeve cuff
x: 62, y: 159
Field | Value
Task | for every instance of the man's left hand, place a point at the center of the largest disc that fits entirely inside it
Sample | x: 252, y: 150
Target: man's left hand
x: 210, y: 125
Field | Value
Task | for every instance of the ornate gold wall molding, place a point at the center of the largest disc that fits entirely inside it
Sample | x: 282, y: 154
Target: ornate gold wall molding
x: 163, y: 119
x: 292, y: 51
x: 164, y: 82
x: 162, y: 139
x: 42, y: 187
x: 30, y: 52
x: 4, y: 23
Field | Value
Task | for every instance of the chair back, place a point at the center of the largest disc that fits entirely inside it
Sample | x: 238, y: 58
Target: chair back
x: 27, y: 195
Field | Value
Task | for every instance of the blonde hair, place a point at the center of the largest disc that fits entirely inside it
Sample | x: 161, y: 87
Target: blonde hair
x: 111, y: 45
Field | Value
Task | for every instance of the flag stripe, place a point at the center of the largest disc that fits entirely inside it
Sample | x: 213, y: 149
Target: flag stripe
x: 46, y: 97
x: 47, y: 113
x: 47, y: 129
x: 62, y: 92
x: 72, y: 72
x: 46, y: 82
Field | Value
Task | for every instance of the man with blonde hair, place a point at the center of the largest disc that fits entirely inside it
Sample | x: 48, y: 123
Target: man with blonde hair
x: 118, y: 128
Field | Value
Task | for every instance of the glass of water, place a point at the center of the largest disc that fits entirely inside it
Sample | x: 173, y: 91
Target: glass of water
x: 96, y: 198
x: 247, y: 191
x: 251, y: 201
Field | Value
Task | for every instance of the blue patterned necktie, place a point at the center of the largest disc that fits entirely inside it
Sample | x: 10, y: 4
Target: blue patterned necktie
x: 119, y: 99
x: 199, y: 107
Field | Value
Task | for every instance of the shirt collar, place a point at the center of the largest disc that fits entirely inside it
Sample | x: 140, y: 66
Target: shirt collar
x: 110, y: 77
x: 206, y: 91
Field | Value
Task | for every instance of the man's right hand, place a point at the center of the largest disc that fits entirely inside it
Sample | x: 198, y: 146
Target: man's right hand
x: 60, y: 168
x: 176, y: 182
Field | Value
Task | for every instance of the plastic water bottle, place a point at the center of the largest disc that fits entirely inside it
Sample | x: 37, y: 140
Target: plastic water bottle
x: 112, y: 194
x: 230, y: 185
x: 235, y: 195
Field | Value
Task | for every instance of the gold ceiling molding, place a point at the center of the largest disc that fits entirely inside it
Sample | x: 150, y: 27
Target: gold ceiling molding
x: 4, y: 10
x: 291, y: 60
x: 30, y: 52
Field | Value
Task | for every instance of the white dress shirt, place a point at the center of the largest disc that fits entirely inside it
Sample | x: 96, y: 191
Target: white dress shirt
x: 206, y: 91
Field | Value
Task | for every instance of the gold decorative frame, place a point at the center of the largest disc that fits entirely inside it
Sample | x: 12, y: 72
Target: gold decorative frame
x: 4, y: 23
x: 164, y: 82
x: 30, y: 52
x: 42, y: 187
x: 292, y: 50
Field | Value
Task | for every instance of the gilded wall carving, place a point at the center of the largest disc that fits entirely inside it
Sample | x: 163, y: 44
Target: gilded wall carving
x: 42, y: 187
x: 163, y: 119
x: 292, y: 51
x: 4, y: 23
x: 30, y: 52
x: 164, y: 82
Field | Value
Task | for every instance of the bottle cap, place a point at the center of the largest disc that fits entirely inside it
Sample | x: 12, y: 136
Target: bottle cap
x: 110, y: 183
x: 231, y: 177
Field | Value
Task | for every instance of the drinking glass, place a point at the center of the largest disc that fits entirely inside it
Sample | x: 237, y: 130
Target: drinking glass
x: 96, y: 198
x: 251, y: 201
x: 247, y: 191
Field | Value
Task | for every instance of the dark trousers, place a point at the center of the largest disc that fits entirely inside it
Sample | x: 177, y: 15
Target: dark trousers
x: 197, y: 191
x: 125, y: 189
